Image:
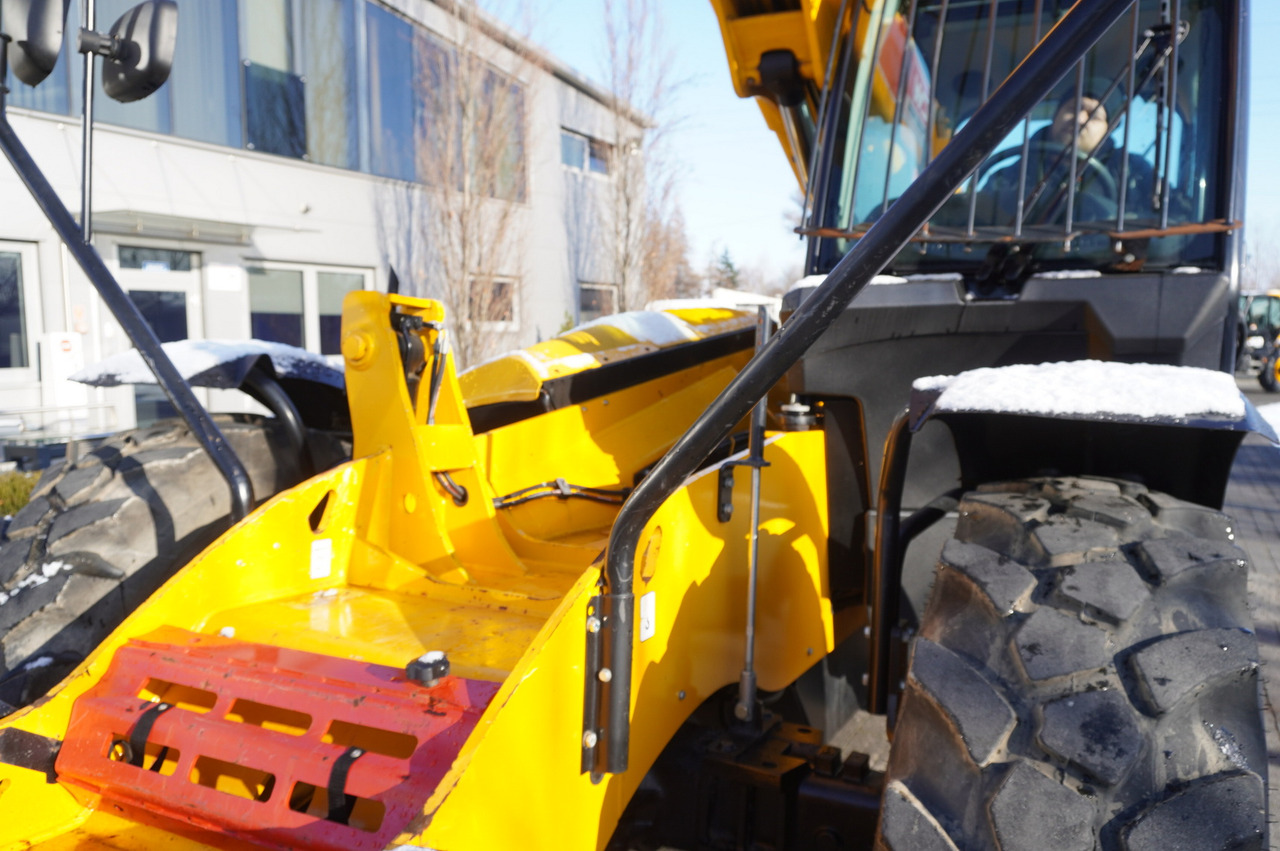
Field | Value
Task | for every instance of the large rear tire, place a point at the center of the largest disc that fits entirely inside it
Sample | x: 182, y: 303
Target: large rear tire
x: 1084, y: 678
x: 104, y: 531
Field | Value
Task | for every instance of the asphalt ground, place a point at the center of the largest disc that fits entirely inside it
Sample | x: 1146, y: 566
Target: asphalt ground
x: 1253, y: 500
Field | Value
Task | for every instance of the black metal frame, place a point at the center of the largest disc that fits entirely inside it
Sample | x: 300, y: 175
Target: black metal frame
x: 1061, y: 48
x: 123, y: 309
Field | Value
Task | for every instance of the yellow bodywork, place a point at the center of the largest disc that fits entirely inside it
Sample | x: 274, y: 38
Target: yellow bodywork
x: 881, y: 31
x: 504, y: 591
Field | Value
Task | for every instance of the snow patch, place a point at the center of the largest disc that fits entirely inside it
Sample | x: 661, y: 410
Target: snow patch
x: 661, y: 329
x: 582, y: 360
x: 192, y: 357
x: 1090, y: 388
x: 50, y: 569
x: 876, y: 281
x: 925, y: 277
x: 1067, y: 274
x: 47, y: 571
x: 1271, y: 413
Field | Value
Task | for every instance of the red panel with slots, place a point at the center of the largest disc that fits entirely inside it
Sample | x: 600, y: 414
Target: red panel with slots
x: 246, y: 745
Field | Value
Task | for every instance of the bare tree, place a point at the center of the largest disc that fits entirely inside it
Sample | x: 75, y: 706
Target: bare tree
x: 471, y: 158
x: 647, y: 253
x: 1262, y: 261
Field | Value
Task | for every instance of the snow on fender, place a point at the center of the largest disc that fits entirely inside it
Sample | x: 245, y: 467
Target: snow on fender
x: 1093, y: 390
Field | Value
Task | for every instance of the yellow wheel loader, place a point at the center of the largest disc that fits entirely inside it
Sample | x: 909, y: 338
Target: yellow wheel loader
x: 624, y: 588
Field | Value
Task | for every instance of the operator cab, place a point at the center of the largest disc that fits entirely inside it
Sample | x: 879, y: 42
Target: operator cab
x: 1145, y: 184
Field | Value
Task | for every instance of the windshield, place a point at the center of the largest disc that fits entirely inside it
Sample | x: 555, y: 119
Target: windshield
x: 1119, y: 168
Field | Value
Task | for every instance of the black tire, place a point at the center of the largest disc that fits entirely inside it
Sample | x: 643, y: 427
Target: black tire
x: 1083, y: 679
x: 104, y: 531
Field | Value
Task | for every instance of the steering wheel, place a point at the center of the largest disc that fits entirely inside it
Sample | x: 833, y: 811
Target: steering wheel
x: 1048, y: 153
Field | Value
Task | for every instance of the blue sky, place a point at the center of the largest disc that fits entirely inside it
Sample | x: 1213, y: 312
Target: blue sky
x: 1262, y: 216
x: 737, y: 187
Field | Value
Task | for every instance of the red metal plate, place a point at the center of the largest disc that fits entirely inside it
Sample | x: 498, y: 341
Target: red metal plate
x: 266, y: 719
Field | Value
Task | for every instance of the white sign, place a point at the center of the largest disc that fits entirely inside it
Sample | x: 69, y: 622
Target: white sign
x: 321, y: 557
x: 648, y: 615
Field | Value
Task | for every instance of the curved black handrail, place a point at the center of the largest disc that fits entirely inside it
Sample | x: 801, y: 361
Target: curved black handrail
x: 1030, y: 82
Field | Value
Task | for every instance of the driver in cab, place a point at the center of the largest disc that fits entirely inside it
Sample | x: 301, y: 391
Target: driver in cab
x: 1048, y: 176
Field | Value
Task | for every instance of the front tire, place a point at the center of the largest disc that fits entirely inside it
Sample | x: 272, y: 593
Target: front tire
x: 102, y: 532
x: 1084, y: 678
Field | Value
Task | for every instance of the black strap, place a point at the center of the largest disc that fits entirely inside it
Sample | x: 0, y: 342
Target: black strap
x: 340, y: 804
x: 142, y: 731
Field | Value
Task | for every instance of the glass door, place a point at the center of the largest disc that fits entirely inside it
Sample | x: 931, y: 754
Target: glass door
x: 165, y: 286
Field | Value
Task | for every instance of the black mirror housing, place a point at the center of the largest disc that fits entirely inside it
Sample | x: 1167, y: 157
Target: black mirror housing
x: 142, y: 55
x: 35, y: 26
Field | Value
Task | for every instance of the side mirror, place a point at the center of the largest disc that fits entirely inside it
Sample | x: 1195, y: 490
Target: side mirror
x: 141, y: 52
x: 35, y: 26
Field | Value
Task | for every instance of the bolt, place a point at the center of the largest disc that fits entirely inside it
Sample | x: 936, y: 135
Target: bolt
x: 741, y: 711
x: 356, y: 348
x: 866, y: 679
x: 589, y: 739
x: 356, y: 753
x: 605, y: 675
x: 680, y: 694
x: 593, y: 624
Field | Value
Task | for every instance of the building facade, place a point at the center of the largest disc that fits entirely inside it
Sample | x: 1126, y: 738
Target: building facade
x: 283, y: 164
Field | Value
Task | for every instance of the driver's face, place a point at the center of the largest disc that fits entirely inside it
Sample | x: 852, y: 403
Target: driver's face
x: 1091, y: 121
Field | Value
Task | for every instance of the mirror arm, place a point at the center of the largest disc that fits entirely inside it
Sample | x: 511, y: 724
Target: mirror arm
x: 100, y: 44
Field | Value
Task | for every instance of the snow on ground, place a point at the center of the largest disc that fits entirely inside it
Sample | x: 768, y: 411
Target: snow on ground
x: 192, y: 357
x: 1090, y: 388
x: 1271, y: 413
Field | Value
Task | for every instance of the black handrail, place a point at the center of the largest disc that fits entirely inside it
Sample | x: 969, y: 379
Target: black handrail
x: 1061, y: 48
x: 125, y: 311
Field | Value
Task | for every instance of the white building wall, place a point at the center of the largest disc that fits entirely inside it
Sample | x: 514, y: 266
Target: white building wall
x: 276, y: 211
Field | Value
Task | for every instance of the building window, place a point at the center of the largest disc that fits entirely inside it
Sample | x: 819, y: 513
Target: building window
x: 275, y: 305
x: 329, y: 56
x: 285, y: 77
x: 393, y: 106
x: 13, y: 319
x: 166, y: 313
x: 154, y: 259
x: 596, y: 300
x: 493, y: 303
x: 301, y: 306
x: 274, y: 96
x: 584, y: 153
x: 331, y: 289
x: 204, y: 86
x: 504, y: 117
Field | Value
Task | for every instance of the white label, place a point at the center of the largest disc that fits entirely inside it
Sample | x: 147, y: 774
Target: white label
x: 321, y: 557
x: 648, y: 615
